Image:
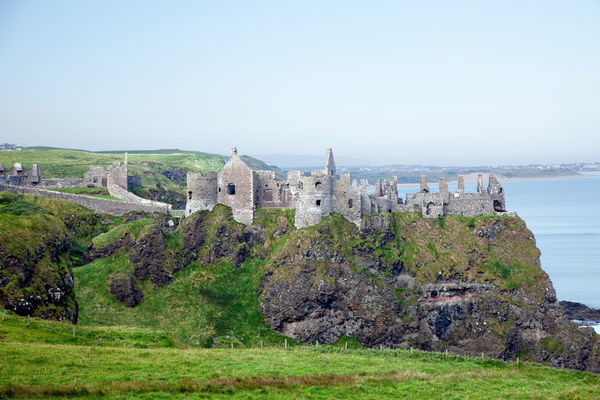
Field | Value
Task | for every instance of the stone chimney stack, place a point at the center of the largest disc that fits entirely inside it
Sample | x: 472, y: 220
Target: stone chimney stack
x: 461, y: 184
x: 424, y: 187
x: 330, y: 163
x: 479, y: 183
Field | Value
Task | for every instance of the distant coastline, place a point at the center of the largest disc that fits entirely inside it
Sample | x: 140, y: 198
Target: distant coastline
x: 472, y: 179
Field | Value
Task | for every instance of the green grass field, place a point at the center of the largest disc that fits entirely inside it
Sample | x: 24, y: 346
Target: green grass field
x: 42, y: 359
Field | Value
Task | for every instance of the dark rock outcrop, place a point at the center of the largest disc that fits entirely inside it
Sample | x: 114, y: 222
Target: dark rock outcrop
x: 94, y: 253
x: 581, y: 312
x: 126, y: 290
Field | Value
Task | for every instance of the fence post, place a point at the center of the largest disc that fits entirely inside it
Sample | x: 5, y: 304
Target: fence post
x: 73, y: 331
x: 285, y: 343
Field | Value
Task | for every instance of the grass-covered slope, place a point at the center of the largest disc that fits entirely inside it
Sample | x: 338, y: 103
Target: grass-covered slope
x: 42, y: 359
x: 65, y: 163
x: 208, y: 303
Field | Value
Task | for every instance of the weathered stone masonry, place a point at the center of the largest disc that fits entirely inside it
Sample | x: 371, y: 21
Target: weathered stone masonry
x: 320, y: 194
x: 96, y: 204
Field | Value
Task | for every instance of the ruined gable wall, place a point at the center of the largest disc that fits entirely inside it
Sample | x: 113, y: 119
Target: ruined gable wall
x: 201, y: 192
x: 235, y: 172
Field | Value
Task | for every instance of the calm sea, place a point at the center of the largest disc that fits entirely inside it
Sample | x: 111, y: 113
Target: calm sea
x: 564, y: 215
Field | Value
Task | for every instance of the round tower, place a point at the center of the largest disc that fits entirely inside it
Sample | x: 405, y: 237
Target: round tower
x: 201, y: 192
x: 315, y: 200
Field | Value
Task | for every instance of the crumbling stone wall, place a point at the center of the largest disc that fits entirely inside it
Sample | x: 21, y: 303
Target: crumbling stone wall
x: 385, y: 198
x: 346, y: 199
x: 96, y: 204
x: 433, y: 205
x: 201, y: 192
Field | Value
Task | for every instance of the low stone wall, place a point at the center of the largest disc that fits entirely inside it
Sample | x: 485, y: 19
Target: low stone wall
x: 97, y: 204
x: 129, y: 197
x: 61, y: 183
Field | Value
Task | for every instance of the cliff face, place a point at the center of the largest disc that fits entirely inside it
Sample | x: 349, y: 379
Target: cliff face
x: 467, y: 285
x: 35, y: 265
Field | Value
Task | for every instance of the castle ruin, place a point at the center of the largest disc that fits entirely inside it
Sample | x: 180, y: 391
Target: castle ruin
x: 19, y: 176
x: 320, y: 194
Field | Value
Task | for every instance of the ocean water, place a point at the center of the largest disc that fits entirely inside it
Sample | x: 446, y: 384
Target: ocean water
x: 564, y: 216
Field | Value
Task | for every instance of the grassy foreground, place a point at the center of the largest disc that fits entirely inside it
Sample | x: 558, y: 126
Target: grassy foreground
x: 40, y: 364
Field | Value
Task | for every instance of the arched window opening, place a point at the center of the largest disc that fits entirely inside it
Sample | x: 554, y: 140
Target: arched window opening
x: 231, y: 188
x: 319, y: 203
x: 318, y: 185
x: 190, y: 195
x: 429, y: 208
x: 350, y: 203
x: 497, y: 206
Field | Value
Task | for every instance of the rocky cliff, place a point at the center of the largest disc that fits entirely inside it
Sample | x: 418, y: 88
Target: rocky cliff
x: 470, y: 286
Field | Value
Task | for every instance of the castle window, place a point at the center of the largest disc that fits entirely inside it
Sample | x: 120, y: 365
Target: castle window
x: 318, y: 202
x: 318, y: 185
x: 231, y: 188
x: 429, y: 209
x: 268, y: 195
x: 497, y: 206
x: 219, y: 189
x: 350, y: 203
x: 190, y: 195
x: 95, y: 180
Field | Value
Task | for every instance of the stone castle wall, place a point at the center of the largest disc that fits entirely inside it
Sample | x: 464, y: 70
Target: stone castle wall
x: 347, y: 199
x: 96, y: 204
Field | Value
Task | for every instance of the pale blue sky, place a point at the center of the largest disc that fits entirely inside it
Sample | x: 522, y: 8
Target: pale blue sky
x: 405, y: 82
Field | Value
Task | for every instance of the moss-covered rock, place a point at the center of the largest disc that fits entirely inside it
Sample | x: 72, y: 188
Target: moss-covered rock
x: 35, y: 244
